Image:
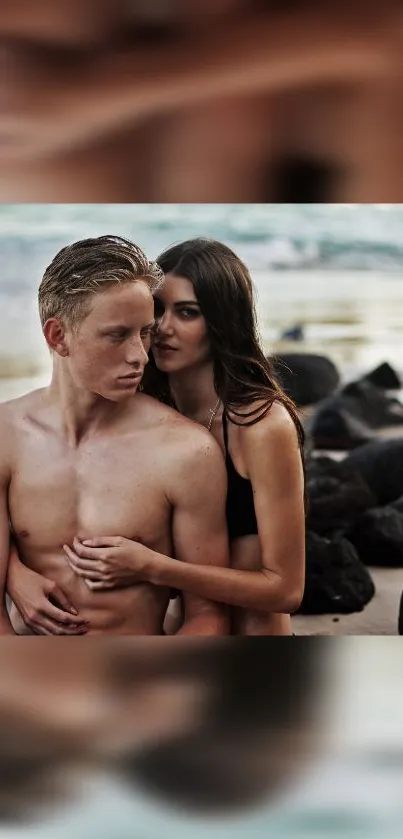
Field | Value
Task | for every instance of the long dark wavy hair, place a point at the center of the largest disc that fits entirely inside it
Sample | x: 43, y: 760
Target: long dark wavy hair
x: 243, y: 377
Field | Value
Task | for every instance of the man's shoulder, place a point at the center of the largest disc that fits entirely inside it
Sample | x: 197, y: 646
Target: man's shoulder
x: 199, y: 457
x: 186, y: 447
x: 192, y: 439
x: 12, y: 409
x: 155, y: 410
x: 10, y: 414
x: 189, y: 435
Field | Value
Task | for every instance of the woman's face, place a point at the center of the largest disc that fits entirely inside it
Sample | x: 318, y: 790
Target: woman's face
x: 181, y: 342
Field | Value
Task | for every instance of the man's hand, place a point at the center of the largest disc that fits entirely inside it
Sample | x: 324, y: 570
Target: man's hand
x: 33, y: 594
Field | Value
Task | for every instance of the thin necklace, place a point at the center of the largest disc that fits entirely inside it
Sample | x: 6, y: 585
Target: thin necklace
x: 212, y: 413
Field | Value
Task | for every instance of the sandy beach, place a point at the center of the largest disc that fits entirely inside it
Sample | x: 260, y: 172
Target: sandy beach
x: 379, y: 617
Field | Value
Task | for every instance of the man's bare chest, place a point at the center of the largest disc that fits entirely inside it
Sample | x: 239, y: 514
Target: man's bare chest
x: 107, y: 489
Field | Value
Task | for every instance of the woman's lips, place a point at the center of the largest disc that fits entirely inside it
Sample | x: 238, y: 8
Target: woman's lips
x: 164, y: 348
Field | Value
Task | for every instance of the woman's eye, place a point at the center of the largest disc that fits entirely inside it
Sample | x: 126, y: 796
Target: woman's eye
x: 189, y: 313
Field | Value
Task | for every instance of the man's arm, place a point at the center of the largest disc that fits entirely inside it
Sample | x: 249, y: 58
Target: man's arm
x: 5, y: 477
x: 199, y: 528
x: 41, y: 602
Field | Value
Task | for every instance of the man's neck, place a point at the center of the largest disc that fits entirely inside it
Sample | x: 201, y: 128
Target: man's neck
x: 83, y: 414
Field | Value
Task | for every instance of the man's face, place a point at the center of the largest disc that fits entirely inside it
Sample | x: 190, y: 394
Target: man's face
x: 108, y: 352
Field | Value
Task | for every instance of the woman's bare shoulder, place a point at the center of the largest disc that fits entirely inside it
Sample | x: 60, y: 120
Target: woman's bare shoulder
x: 276, y: 427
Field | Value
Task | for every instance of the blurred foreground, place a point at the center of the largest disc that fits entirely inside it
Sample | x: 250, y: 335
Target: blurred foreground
x: 273, y: 738
x: 201, y: 100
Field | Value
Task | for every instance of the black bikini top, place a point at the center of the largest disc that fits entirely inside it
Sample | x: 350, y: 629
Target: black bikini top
x: 241, y: 516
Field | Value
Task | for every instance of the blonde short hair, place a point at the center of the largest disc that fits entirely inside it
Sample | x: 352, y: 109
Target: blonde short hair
x: 88, y: 267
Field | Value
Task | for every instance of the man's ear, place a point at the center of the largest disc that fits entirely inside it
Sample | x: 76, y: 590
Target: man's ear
x: 55, y: 334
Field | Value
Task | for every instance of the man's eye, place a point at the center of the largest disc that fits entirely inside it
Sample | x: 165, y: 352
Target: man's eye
x: 116, y: 336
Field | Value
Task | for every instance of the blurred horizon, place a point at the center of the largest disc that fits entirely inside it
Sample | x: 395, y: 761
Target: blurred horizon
x: 335, y: 270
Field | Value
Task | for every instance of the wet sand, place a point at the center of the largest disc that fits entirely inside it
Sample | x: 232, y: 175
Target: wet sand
x: 379, y: 617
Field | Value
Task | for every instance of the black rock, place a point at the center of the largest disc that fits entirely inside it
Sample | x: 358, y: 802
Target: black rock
x: 348, y: 418
x: 294, y: 333
x: 381, y: 465
x: 384, y: 377
x: 370, y: 404
x: 336, y: 579
x: 378, y: 537
x: 397, y: 505
x: 305, y: 377
x: 333, y: 427
x: 337, y: 496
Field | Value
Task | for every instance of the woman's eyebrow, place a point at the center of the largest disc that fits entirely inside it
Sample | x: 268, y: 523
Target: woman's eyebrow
x: 186, y: 303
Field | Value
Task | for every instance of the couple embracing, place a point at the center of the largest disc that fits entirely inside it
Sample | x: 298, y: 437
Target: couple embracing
x: 156, y: 486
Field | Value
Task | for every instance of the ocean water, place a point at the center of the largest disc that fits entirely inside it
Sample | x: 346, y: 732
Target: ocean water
x: 337, y: 270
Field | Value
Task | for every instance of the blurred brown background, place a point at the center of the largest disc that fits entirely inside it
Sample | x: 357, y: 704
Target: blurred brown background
x: 201, y: 100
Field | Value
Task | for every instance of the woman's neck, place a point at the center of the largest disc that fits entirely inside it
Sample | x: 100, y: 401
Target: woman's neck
x: 194, y: 393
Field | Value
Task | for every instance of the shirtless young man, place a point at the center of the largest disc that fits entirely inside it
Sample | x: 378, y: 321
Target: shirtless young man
x: 89, y: 455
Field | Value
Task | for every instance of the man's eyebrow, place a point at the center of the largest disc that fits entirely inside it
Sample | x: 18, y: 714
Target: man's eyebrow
x: 110, y: 327
x: 123, y: 327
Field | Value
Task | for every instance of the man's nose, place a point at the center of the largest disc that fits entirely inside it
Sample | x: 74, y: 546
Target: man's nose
x: 136, y: 354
